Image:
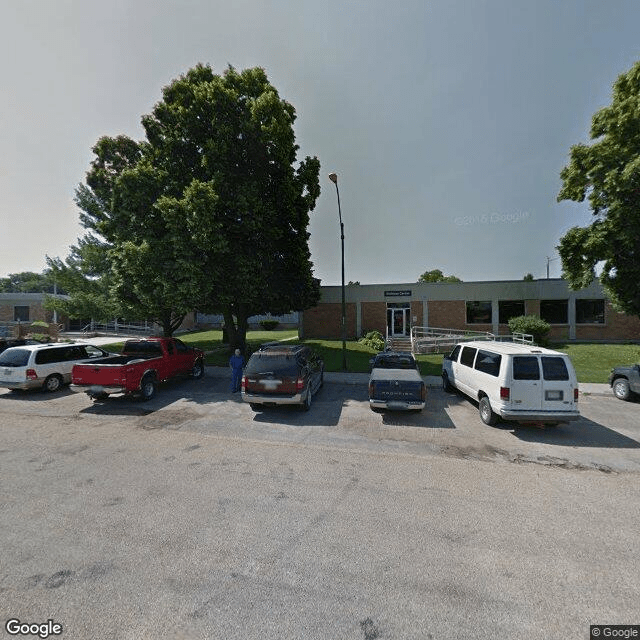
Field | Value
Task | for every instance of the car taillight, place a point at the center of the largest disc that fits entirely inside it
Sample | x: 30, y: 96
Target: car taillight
x: 575, y: 395
x: 243, y: 383
x: 505, y: 393
x: 31, y: 374
x: 299, y: 384
x: 371, y: 389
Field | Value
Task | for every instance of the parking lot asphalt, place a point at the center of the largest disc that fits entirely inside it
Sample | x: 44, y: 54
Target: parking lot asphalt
x: 191, y: 517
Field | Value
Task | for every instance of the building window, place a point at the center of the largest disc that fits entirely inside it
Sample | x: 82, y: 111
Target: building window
x: 509, y: 309
x: 589, y: 311
x: 21, y: 314
x: 479, y: 312
x: 554, y: 311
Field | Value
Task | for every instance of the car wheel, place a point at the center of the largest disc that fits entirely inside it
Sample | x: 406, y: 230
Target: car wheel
x: 446, y: 385
x: 197, y: 371
x: 486, y: 412
x: 147, y: 388
x: 621, y: 389
x: 52, y: 383
x: 306, y: 405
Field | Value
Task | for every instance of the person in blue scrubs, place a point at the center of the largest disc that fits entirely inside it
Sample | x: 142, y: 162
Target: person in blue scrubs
x: 236, y: 362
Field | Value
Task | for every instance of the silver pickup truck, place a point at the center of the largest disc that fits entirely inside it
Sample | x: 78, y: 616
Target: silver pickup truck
x: 395, y: 382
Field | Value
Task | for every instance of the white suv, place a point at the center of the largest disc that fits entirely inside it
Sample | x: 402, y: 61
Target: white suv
x: 46, y: 366
x: 518, y: 382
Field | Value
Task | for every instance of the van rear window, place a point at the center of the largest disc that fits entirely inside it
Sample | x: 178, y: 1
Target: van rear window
x: 526, y: 368
x: 14, y: 358
x: 554, y: 368
x: 488, y: 362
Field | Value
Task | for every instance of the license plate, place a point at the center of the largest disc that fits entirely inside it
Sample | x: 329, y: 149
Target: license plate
x: 553, y: 395
x: 271, y: 385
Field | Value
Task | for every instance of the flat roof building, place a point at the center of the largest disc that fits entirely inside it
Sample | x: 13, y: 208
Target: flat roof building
x: 394, y: 309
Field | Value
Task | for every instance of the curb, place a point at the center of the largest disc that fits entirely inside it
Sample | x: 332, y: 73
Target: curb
x: 339, y: 377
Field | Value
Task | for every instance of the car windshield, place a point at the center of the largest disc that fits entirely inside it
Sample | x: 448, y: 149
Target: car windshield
x: 394, y: 362
x: 14, y: 358
x: 267, y: 363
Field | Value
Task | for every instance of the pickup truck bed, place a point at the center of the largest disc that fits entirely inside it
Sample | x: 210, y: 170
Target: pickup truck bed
x: 395, y: 383
x: 139, y: 369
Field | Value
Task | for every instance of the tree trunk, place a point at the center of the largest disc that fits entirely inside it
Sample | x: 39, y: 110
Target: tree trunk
x: 237, y: 329
x: 170, y: 323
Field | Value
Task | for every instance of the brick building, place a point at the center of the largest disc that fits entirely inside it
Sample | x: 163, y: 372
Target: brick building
x: 24, y: 308
x: 393, y: 309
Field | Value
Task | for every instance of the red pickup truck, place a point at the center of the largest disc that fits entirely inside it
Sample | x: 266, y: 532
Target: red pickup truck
x: 138, y: 369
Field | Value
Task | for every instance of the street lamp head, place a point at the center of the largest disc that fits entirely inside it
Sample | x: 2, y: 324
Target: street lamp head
x: 333, y: 177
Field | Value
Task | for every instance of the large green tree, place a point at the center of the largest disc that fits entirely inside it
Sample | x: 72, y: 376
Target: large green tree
x: 607, y: 173
x: 28, y: 282
x: 436, y: 275
x: 211, y: 211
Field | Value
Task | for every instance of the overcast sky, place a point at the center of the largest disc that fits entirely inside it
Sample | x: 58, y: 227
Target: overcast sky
x: 447, y: 121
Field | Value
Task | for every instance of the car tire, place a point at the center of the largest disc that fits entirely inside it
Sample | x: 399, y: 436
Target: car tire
x: 52, y: 383
x: 487, y: 414
x: 306, y: 405
x: 446, y: 385
x: 621, y: 389
x: 147, y: 388
x: 197, y: 371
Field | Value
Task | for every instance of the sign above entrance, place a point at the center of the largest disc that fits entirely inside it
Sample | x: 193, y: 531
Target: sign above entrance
x: 398, y: 294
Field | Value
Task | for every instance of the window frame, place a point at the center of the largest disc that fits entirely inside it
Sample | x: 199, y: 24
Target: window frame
x: 591, y: 301
x: 16, y: 311
x: 545, y: 317
x: 472, y: 306
x: 502, y: 319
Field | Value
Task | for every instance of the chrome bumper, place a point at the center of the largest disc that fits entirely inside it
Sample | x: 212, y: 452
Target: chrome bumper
x: 397, y: 405
x: 95, y: 389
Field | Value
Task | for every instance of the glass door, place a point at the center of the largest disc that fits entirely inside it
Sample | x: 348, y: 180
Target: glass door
x: 397, y: 321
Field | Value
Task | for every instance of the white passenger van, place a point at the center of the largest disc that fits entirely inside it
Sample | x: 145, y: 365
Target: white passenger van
x: 516, y: 382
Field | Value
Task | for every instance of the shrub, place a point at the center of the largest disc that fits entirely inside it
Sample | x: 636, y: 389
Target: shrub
x: 269, y: 325
x: 374, y: 340
x: 537, y: 327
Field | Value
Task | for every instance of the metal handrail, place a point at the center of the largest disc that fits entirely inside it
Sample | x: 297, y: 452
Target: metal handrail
x: 431, y: 339
x: 119, y: 328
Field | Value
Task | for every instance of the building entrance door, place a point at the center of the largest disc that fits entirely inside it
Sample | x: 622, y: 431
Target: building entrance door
x: 397, y: 320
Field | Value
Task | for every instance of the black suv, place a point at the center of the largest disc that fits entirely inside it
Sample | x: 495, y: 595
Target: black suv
x: 625, y: 381
x: 282, y: 374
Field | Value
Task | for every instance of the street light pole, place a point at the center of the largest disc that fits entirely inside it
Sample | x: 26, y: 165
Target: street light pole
x: 334, y: 178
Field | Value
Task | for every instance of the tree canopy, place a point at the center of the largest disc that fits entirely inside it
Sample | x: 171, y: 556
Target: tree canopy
x: 437, y: 276
x: 208, y: 213
x: 28, y: 282
x: 607, y: 173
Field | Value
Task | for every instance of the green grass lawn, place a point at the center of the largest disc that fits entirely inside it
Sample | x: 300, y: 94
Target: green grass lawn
x: 592, y: 362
